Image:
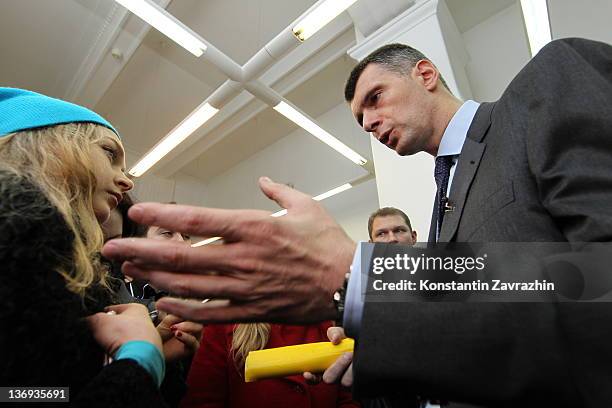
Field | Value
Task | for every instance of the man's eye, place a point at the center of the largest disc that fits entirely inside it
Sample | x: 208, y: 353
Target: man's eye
x: 166, y: 233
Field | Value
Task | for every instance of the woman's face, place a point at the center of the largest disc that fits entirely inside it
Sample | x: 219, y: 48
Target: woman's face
x: 108, y: 164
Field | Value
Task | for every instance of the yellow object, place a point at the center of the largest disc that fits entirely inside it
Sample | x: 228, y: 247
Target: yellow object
x: 293, y: 360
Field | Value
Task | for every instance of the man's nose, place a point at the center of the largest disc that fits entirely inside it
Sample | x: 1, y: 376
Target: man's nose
x: 370, y: 122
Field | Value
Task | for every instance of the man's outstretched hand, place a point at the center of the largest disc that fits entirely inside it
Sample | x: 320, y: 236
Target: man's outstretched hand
x: 274, y: 269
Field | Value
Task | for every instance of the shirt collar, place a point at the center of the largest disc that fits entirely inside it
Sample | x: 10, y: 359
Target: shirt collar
x: 456, y: 131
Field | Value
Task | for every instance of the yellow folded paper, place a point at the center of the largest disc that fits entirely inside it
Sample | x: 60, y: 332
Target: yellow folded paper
x: 293, y: 360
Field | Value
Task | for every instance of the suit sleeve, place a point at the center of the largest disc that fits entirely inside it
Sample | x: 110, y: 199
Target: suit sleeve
x: 207, y: 383
x: 569, y: 138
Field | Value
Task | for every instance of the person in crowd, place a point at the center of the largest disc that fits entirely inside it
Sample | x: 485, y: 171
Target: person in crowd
x: 180, y: 339
x: 216, y: 379
x: 391, y: 225
x: 61, y: 174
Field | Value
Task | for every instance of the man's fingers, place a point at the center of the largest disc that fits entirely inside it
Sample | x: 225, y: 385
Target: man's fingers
x: 284, y: 195
x: 214, y: 311
x: 337, y: 370
x: 194, y: 220
x: 193, y: 286
x: 172, y: 256
x: 347, y: 378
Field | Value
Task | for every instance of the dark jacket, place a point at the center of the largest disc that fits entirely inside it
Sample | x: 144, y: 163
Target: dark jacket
x: 536, y: 166
x: 44, y: 340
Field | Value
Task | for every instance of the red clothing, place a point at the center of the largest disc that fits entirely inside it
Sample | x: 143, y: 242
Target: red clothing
x: 214, y: 380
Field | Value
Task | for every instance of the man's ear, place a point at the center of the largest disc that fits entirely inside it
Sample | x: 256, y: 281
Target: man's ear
x: 414, y: 236
x: 427, y: 74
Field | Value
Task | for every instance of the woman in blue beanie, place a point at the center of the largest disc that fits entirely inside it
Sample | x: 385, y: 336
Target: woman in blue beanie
x: 61, y: 173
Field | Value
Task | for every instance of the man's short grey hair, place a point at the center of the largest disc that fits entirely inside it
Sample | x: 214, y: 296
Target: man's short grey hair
x: 398, y: 58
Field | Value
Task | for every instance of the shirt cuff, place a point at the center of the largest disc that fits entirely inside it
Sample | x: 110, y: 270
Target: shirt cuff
x: 353, y: 303
x: 146, y: 355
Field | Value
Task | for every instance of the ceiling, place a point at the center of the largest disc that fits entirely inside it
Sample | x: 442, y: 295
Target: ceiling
x: 148, y: 84
x: 469, y: 13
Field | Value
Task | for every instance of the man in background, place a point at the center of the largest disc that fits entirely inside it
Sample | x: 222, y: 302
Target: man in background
x: 392, y: 226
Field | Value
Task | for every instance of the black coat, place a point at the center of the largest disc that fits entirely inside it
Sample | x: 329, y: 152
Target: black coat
x: 44, y: 340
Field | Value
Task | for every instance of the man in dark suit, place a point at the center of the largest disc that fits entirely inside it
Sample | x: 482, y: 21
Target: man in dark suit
x: 534, y: 166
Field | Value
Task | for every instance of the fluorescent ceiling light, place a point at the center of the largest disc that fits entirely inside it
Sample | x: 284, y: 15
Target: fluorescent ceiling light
x: 280, y: 213
x: 319, y: 17
x: 206, y: 241
x: 166, y: 24
x: 535, y: 14
x: 308, y: 125
x: 332, y: 192
x: 189, y: 125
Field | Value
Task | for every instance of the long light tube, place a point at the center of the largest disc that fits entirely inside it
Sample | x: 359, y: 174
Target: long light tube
x: 332, y: 192
x: 206, y: 242
x: 308, y: 125
x: 537, y: 23
x: 319, y: 17
x: 280, y: 213
x: 189, y: 125
x: 166, y: 24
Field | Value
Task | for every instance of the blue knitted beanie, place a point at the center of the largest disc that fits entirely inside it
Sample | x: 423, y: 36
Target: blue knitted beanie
x: 22, y: 110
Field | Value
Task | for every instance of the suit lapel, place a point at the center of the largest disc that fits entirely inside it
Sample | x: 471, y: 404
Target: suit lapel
x: 467, y: 165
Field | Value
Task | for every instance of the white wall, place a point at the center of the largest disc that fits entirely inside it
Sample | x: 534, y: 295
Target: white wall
x: 498, y: 47
x: 286, y: 160
x: 498, y: 50
x: 182, y: 188
x: 352, y: 208
x: 586, y: 18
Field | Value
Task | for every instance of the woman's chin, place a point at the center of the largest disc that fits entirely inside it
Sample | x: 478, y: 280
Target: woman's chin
x: 102, y: 214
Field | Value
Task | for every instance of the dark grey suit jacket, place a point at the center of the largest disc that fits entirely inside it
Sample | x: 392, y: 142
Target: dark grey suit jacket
x: 536, y: 166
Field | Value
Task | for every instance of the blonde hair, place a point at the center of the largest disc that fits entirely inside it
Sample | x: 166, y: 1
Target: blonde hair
x: 58, y: 160
x: 248, y: 337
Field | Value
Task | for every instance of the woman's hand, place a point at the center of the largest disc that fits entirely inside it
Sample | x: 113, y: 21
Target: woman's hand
x: 123, y: 323
x: 180, y: 338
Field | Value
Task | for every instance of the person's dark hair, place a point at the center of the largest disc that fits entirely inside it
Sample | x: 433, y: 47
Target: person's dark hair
x: 398, y: 58
x: 129, y: 227
x: 384, y: 212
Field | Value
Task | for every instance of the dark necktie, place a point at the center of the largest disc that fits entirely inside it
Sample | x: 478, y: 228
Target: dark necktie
x: 441, y: 174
